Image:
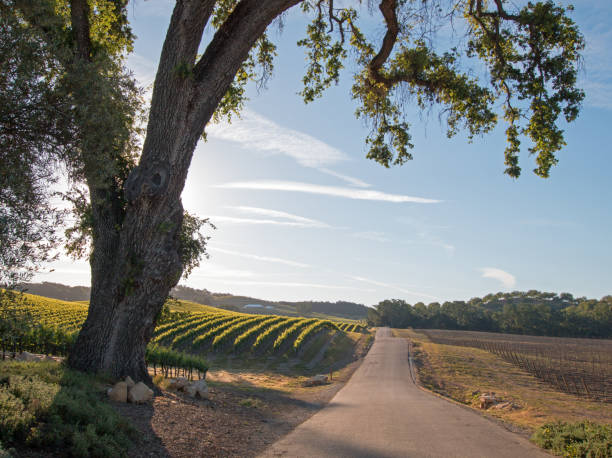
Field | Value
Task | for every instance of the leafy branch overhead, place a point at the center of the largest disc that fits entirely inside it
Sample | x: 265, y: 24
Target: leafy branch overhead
x: 531, y: 56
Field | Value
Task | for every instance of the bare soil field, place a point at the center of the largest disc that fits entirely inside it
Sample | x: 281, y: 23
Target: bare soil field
x: 463, y: 373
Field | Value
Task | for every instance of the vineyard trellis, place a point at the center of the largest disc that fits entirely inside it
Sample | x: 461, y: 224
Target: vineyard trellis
x: 582, y: 367
x: 50, y: 326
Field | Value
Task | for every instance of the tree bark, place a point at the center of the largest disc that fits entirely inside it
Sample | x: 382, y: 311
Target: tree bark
x: 133, y: 268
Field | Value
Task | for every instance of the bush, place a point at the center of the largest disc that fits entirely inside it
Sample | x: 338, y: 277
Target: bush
x: 576, y: 440
x: 46, y: 406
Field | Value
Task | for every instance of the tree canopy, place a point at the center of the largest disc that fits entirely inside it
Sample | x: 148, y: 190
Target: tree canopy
x: 531, y: 312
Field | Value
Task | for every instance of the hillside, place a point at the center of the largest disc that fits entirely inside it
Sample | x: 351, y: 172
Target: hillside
x: 191, y: 329
x: 340, y: 309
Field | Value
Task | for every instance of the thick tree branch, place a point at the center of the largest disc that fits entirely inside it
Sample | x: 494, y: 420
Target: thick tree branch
x: 235, y: 38
x: 388, y: 10
x: 79, y: 16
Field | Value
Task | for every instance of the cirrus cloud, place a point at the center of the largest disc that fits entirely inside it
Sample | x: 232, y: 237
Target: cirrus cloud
x: 506, y: 279
x: 335, y: 191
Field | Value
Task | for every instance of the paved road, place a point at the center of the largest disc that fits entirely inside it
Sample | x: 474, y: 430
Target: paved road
x: 381, y: 413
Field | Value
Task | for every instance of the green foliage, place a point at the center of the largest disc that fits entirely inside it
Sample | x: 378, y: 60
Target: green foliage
x: 202, y: 329
x: 243, y: 338
x: 531, y: 53
x: 308, y: 332
x: 224, y: 337
x: 167, y: 359
x: 266, y: 337
x: 531, y: 312
x: 33, y: 135
x: 193, y: 243
x: 290, y: 332
x: 50, y: 326
x: 176, y: 329
x: 219, y: 328
x: 575, y: 440
x: 46, y: 406
x: 162, y: 331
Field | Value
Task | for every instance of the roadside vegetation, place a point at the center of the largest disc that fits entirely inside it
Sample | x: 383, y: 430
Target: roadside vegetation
x: 467, y: 365
x: 45, y: 406
x: 576, y: 440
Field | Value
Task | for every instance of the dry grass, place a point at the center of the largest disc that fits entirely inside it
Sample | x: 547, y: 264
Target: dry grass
x: 461, y: 373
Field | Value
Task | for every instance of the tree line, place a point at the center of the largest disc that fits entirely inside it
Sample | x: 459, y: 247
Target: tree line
x: 532, y: 312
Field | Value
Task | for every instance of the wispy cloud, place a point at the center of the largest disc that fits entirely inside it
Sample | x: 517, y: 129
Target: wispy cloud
x: 255, y: 132
x: 397, y: 288
x: 296, y: 285
x: 350, y: 180
x: 272, y: 217
x: 596, y: 79
x: 280, y: 215
x: 372, y: 235
x: 273, y: 222
x: 240, y: 254
x: 213, y: 270
x: 545, y: 222
x: 349, y: 193
x: 424, y: 232
x: 507, y: 279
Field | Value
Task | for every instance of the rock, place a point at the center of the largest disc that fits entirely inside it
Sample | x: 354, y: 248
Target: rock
x: 178, y: 384
x: 119, y: 393
x: 506, y: 406
x: 130, y: 382
x: 316, y: 380
x: 140, y: 393
x: 27, y: 356
x: 197, y: 388
x: 487, y: 400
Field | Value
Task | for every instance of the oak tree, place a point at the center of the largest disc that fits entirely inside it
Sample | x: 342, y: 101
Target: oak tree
x: 132, y: 199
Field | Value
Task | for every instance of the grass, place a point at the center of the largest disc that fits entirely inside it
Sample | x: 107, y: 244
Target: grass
x: 582, y: 439
x: 45, y: 406
x: 253, y: 403
x: 462, y: 373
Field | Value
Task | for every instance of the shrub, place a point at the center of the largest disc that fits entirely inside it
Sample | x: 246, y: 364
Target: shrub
x: 583, y: 439
x: 46, y: 406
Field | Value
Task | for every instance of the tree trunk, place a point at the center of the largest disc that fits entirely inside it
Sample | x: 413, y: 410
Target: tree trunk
x: 134, y: 267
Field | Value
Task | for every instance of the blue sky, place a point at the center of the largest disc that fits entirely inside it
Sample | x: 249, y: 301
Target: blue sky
x: 301, y: 214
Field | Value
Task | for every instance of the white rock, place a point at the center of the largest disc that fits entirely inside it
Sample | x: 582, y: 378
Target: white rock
x: 27, y: 356
x: 118, y: 393
x: 178, y: 383
x: 487, y: 400
x: 140, y: 393
x: 197, y: 388
x: 316, y: 380
x: 130, y: 382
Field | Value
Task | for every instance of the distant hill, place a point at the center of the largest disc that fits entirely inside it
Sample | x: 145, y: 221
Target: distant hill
x: 58, y: 291
x: 340, y: 309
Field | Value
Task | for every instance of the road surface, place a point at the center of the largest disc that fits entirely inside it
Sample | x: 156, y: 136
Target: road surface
x: 380, y: 412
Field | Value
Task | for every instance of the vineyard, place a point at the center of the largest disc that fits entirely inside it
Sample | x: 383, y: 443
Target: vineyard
x: 181, y: 339
x: 578, y: 366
